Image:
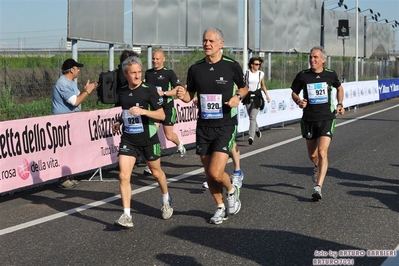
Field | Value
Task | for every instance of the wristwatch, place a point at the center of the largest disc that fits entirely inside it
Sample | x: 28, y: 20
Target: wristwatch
x: 340, y: 104
x: 239, y: 96
x: 164, y: 93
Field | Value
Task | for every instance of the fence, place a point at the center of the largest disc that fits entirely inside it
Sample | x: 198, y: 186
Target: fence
x: 27, y: 78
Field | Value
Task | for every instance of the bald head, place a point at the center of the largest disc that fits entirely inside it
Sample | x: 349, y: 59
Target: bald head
x: 158, y: 59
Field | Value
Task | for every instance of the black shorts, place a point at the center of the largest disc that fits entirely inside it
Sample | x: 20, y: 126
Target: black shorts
x: 148, y: 153
x: 170, y: 116
x: 316, y: 129
x: 211, y: 139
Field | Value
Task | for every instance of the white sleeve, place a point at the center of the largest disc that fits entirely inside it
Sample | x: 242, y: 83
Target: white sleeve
x: 72, y: 100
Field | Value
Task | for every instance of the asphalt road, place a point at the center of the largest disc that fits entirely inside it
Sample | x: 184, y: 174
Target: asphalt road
x: 277, y: 225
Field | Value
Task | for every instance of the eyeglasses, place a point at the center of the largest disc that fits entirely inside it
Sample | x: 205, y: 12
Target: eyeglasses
x: 257, y: 64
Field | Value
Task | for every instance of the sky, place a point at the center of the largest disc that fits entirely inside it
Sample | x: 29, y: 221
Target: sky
x: 43, y: 23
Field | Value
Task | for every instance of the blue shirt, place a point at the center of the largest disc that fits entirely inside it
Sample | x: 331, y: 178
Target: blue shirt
x: 62, y: 91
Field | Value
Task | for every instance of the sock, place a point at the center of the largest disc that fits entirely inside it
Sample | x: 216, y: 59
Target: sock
x: 127, y: 211
x: 221, y: 206
x: 165, y: 197
x: 237, y: 172
x: 231, y: 191
x: 180, y: 144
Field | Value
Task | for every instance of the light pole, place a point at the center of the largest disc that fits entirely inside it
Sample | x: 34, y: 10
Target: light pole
x: 323, y: 6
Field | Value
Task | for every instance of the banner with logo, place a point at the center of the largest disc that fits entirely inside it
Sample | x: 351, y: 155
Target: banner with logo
x: 388, y: 88
x: 280, y: 109
x: 39, y: 149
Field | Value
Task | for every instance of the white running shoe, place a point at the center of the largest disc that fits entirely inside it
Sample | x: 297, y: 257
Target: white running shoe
x: 219, y: 217
x: 167, y: 209
x: 233, y: 201
x: 182, y: 150
x: 236, y: 179
x: 124, y: 221
x: 147, y: 171
x: 316, y: 193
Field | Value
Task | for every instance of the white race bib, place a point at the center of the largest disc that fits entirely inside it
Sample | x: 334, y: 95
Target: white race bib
x: 318, y: 93
x: 211, y: 106
x: 132, y: 124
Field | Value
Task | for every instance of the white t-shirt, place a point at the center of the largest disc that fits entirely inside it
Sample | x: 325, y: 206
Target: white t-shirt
x: 253, y: 80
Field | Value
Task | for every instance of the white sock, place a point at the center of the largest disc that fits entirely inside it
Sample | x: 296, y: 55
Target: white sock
x: 127, y: 211
x: 165, y: 197
x: 221, y: 206
x: 231, y: 191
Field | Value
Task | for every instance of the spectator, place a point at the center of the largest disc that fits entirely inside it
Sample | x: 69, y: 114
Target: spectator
x: 67, y: 98
x: 255, y: 80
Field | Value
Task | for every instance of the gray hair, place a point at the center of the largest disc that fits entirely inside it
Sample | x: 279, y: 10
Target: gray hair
x: 131, y: 60
x: 219, y: 33
x: 321, y: 49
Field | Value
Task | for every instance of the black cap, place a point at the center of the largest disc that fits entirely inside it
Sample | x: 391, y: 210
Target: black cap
x: 70, y: 63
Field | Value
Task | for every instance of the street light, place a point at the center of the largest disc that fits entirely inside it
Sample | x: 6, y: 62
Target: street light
x: 323, y: 5
x: 354, y: 8
x: 371, y: 11
x: 374, y: 17
x: 345, y: 6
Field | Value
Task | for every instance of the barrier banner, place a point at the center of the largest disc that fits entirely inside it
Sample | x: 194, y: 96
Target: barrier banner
x: 186, y: 123
x: 281, y: 108
x: 359, y: 92
x: 388, y: 88
x: 39, y: 149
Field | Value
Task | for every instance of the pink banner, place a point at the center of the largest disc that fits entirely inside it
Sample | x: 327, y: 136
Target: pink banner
x: 40, y: 149
x: 186, y: 123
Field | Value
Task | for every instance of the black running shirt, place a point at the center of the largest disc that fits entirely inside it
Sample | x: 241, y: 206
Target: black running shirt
x: 164, y: 79
x: 139, y: 130
x: 317, y: 90
x: 215, y: 85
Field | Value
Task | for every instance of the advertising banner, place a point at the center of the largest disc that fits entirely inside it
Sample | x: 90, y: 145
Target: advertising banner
x: 388, y: 88
x: 39, y: 149
x: 281, y: 108
x: 360, y: 92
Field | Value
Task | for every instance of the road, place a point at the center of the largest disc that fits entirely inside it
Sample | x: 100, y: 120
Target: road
x: 277, y: 225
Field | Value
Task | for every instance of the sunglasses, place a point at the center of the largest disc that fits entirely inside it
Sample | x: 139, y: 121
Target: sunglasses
x: 257, y: 64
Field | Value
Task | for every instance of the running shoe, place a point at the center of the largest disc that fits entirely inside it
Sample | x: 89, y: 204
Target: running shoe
x: 124, y: 221
x: 316, y: 193
x: 205, y: 185
x: 233, y: 201
x: 219, y: 217
x: 250, y: 141
x: 182, y: 150
x: 258, y: 134
x: 167, y: 209
x: 147, y: 171
x: 236, y: 179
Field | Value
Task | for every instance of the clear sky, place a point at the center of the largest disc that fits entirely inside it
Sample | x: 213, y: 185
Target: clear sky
x: 43, y: 23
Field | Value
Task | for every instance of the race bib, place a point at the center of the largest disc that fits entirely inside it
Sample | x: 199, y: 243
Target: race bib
x: 132, y: 124
x: 211, y: 106
x: 318, y: 93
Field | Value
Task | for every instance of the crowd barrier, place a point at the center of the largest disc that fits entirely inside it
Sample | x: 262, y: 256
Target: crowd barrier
x: 39, y: 149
